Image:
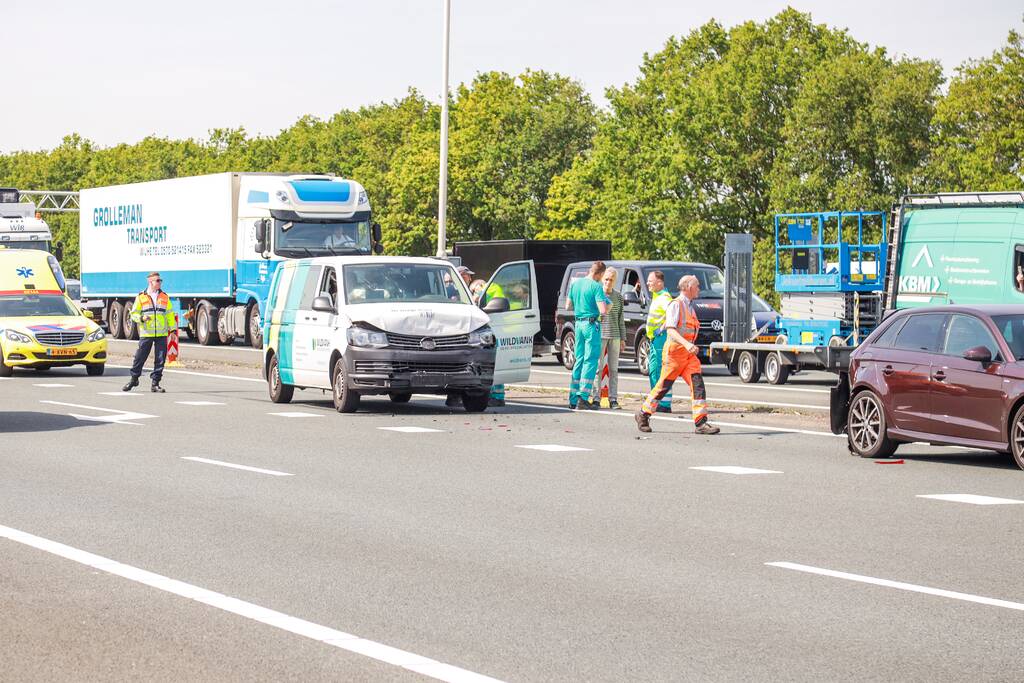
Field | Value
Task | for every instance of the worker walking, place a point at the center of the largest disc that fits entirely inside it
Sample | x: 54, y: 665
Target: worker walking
x: 154, y: 315
x: 588, y: 302
x: 680, y: 359
x: 660, y: 299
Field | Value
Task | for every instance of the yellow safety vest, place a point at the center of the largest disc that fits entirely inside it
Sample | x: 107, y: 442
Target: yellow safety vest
x: 154, y: 318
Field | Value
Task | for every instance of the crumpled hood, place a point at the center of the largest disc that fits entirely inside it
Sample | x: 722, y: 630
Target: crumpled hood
x: 428, y: 320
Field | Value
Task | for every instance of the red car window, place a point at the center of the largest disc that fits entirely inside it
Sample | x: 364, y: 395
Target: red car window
x: 923, y: 333
x: 966, y: 332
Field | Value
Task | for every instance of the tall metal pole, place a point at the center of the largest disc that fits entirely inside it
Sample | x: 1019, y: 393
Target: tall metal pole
x: 442, y: 183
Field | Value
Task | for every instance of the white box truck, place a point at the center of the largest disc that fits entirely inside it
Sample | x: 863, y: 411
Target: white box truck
x: 20, y: 225
x: 216, y: 240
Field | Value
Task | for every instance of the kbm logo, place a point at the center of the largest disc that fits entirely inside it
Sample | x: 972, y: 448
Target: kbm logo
x: 919, y: 283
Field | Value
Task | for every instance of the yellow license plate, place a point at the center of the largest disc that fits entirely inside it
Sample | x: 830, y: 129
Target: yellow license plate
x: 61, y: 352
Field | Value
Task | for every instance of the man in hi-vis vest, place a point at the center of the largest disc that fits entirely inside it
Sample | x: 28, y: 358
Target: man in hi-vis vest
x: 153, y: 313
x: 680, y: 360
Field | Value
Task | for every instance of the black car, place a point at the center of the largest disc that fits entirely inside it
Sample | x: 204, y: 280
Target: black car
x: 632, y: 282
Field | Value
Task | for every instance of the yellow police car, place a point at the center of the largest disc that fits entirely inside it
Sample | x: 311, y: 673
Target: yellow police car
x: 40, y: 327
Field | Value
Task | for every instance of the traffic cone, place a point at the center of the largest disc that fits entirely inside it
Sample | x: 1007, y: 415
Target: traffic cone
x: 172, y: 346
x: 605, y: 401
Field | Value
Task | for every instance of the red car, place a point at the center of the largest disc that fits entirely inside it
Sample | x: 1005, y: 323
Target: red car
x: 951, y: 375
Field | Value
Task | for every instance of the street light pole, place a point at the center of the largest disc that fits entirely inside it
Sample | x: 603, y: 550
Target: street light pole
x: 442, y: 183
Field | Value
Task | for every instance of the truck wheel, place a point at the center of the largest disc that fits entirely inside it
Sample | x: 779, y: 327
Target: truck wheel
x: 254, y: 325
x: 345, y: 400
x: 568, y: 349
x: 774, y: 370
x: 865, y: 427
x: 94, y: 369
x: 748, y: 368
x: 399, y: 398
x: 279, y: 391
x: 131, y: 330
x: 222, y: 332
x: 114, y: 323
x: 206, y: 325
x: 643, y: 355
x: 5, y: 369
x: 475, y: 403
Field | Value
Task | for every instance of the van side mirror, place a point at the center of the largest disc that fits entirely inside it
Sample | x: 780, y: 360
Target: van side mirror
x: 630, y: 297
x: 323, y: 304
x: 261, y: 235
x: 498, y: 304
x: 979, y: 354
x: 58, y: 251
x: 378, y: 248
x: 375, y: 232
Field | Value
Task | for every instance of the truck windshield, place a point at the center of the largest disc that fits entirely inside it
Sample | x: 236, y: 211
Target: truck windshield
x: 20, y: 306
x: 26, y: 244
x: 394, y: 283
x: 297, y: 239
x: 712, y: 282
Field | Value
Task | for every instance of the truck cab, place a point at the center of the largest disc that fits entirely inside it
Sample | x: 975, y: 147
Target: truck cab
x: 20, y: 225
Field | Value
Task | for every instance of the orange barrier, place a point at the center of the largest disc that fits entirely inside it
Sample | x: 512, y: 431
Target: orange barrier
x: 603, y: 380
x: 172, y: 345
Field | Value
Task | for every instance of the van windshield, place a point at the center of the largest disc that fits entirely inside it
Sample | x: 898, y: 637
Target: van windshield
x: 21, y: 306
x: 400, y: 282
x: 712, y: 282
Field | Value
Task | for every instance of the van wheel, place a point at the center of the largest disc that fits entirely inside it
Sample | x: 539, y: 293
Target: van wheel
x: 345, y: 400
x: 131, y: 330
x: 5, y: 369
x: 114, y: 323
x: 774, y: 370
x: 475, y: 403
x: 1017, y: 437
x: 748, y: 368
x: 254, y: 325
x: 206, y: 325
x: 568, y: 349
x: 279, y: 391
x: 94, y: 369
x: 865, y: 427
x: 399, y: 398
x: 643, y: 355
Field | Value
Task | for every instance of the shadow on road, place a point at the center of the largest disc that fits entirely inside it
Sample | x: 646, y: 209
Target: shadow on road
x: 990, y: 459
x: 28, y: 422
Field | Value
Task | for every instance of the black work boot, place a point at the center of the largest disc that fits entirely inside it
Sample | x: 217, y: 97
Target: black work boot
x: 132, y: 383
x: 157, y: 389
x: 643, y: 421
x: 706, y: 428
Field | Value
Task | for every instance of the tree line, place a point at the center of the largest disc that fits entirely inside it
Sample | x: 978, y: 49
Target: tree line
x: 723, y: 128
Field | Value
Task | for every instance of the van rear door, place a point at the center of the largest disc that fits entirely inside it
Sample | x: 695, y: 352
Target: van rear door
x: 515, y: 328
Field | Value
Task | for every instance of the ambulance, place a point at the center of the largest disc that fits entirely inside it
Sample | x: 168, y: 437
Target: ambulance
x: 40, y: 327
x: 396, y: 326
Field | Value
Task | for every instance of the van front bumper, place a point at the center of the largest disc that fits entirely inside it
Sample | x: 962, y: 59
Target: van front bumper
x: 382, y: 371
x: 34, y: 355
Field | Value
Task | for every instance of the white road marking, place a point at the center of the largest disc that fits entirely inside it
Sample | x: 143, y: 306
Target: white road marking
x: 196, y: 374
x: 221, y: 463
x: 728, y: 385
x: 307, y: 629
x: 199, y: 403
x: 295, y: 414
x: 54, y: 385
x: 117, y: 416
x: 118, y: 393
x: 553, y: 447
x: 899, y: 585
x: 735, y: 469
x: 972, y: 499
x: 410, y: 429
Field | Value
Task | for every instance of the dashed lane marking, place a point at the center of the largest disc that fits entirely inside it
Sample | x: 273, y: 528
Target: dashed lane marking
x: 410, y: 429
x: 295, y: 414
x: 734, y: 469
x: 899, y: 585
x: 199, y: 403
x: 221, y: 463
x: 307, y: 629
x: 54, y: 385
x: 553, y: 447
x: 972, y: 499
x: 118, y: 393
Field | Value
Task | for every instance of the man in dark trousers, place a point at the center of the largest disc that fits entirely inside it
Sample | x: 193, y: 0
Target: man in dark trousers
x: 154, y: 315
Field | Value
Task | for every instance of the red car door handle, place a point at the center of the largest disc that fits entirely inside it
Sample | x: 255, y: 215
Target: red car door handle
x: 939, y: 376
x: 887, y: 370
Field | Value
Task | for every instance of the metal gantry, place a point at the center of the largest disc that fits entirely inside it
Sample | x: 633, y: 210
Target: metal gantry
x: 52, y: 201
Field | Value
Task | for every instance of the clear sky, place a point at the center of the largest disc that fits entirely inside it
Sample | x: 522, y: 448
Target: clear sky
x: 118, y: 70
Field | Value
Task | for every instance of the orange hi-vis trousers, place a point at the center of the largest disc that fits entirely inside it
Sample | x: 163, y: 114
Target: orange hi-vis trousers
x: 678, y: 362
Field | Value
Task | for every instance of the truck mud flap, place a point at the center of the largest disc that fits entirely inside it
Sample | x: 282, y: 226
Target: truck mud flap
x: 839, y: 404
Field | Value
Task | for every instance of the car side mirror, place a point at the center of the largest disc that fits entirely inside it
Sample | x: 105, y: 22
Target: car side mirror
x: 630, y: 297
x: 261, y: 235
x: 87, y: 313
x: 498, y: 304
x: 323, y: 304
x: 979, y: 354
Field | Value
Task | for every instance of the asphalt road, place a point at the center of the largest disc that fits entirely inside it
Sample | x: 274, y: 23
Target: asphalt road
x: 482, y: 545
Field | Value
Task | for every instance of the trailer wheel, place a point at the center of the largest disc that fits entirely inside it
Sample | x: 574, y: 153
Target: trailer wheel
x: 568, y: 349
x: 731, y: 366
x: 114, y: 323
x: 748, y: 367
x: 774, y: 370
x: 206, y: 325
x: 254, y: 325
x: 131, y: 330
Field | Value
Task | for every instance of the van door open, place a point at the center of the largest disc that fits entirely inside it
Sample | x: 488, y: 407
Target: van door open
x: 514, y: 329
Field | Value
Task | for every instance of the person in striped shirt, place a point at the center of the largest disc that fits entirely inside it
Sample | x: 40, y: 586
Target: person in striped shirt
x: 660, y: 299
x: 613, y: 333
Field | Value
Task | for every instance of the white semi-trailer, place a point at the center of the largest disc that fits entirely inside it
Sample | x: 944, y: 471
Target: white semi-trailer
x: 216, y: 240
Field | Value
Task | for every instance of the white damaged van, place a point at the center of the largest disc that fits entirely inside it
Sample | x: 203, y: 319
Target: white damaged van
x: 360, y: 325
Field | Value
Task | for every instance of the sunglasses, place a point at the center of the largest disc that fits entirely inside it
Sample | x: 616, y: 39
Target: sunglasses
x: 156, y: 279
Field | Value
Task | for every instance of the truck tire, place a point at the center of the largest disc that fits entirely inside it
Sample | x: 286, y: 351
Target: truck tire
x: 345, y: 399
x: 206, y: 325
x: 774, y: 370
x: 279, y: 391
x: 643, y: 355
x: 115, y: 324
x: 748, y: 367
x: 223, y: 335
x: 131, y: 330
x: 475, y: 403
x: 568, y: 349
x: 5, y: 369
x: 254, y: 329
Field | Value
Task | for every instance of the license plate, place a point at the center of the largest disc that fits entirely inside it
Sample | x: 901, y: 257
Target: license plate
x: 61, y: 352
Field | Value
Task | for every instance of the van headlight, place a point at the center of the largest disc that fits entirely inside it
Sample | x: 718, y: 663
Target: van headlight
x: 358, y: 336
x: 96, y: 336
x: 18, y: 337
x: 482, y: 337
